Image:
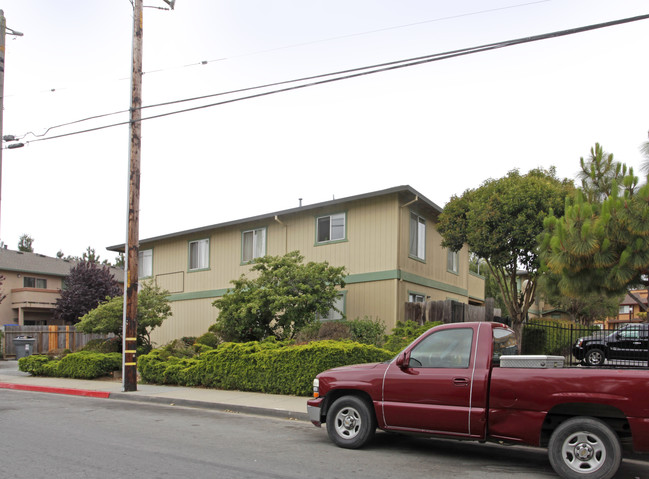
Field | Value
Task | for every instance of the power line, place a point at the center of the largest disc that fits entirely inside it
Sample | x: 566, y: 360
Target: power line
x: 361, y: 71
x: 340, y: 37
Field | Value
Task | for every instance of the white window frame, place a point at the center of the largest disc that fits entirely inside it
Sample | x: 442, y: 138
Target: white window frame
x: 145, y: 263
x: 258, y: 244
x: 332, y: 314
x: 417, y: 247
x: 416, y: 297
x: 336, y: 229
x: 202, y: 261
x: 453, y: 261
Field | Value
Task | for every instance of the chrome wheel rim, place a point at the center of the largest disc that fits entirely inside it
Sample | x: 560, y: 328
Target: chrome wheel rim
x: 348, y: 423
x: 595, y: 358
x: 583, y: 452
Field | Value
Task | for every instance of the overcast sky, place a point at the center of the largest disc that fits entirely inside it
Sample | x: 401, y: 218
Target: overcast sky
x: 441, y: 127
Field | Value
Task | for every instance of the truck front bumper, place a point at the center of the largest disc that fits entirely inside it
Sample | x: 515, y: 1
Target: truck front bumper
x: 313, y: 409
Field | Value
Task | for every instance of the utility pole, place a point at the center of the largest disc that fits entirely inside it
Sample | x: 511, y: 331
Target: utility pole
x: 129, y: 327
x: 131, y: 283
x: 3, y: 33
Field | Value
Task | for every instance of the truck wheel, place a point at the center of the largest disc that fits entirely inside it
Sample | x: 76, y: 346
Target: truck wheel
x: 595, y: 357
x: 584, y: 448
x: 350, y: 422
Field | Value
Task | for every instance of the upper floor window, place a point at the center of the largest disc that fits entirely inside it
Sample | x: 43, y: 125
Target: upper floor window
x: 625, y: 309
x: 199, y: 254
x: 453, y: 261
x: 417, y: 237
x: 253, y: 244
x: 145, y: 263
x: 31, y: 282
x: 330, y: 228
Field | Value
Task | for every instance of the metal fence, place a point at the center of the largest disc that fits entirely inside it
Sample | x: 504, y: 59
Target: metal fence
x: 627, y: 346
x: 47, y: 338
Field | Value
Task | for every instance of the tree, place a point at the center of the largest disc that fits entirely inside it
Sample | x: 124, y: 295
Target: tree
x: 500, y: 222
x: 583, y: 309
x: 600, y: 244
x: 86, y: 286
x: 26, y: 244
x: 107, y: 317
x: 284, y: 296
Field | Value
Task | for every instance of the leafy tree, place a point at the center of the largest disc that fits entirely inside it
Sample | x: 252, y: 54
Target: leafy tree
x: 87, y: 285
x: 600, y: 244
x: 153, y: 308
x: 500, y: 221
x: 26, y: 244
x: 284, y: 296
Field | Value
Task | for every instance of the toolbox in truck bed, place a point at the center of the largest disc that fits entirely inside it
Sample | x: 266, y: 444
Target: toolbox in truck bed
x: 532, y: 361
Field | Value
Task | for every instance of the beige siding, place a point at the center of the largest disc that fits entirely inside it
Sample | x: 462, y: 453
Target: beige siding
x: 189, y: 318
x: 375, y: 300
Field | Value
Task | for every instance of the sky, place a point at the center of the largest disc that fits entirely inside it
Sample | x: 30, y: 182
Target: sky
x: 441, y: 127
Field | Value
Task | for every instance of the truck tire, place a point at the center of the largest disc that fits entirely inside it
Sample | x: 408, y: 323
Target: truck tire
x: 350, y: 422
x: 595, y: 357
x: 584, y: 448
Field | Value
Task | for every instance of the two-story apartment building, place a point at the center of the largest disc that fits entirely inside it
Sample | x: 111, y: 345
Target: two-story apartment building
x: 32, y: 284
x: 386, y: 240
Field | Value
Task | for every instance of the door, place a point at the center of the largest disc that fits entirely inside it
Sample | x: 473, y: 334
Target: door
x: 629, y: 343
x: 432, y: 393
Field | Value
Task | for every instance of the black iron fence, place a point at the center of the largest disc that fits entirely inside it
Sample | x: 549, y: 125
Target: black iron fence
x: 626, y: 346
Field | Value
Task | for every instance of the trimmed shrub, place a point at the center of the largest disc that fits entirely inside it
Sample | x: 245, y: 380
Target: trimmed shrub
x: 81, y: 365
x: 265, y: 367
x: 208, y: 339
x: 88, y: 365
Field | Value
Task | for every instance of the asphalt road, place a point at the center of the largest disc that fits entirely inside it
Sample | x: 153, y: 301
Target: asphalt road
x: 55, y: 436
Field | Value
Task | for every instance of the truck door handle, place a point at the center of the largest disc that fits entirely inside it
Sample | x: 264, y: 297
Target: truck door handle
x: 460, y: 382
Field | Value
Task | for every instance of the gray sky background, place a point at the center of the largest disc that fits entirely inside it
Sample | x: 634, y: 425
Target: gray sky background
x: 441, y: 127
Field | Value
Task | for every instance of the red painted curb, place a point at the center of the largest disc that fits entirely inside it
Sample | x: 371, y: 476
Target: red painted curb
x: 46, y: 389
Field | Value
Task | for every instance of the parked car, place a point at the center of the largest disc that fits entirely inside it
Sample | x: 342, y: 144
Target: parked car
x: 627, y: 343
x: 455, y: 382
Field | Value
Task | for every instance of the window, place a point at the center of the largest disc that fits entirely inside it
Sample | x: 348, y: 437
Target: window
x: 253, y: 244
x: 452, y: 261
x: 625, y: 309
x: 199, y: 254
x: 332, y: 315
x: 416, y: 298
x: 30, y: 282
x: 145, y: 263
x: 330, y: 228
x: 417, y: 237
x: 444, y: 349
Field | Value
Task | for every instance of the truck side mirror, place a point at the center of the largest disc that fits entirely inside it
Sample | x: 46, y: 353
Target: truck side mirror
x: 403, y: 359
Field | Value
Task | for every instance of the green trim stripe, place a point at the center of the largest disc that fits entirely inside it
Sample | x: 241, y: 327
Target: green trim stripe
x: 351, y: 279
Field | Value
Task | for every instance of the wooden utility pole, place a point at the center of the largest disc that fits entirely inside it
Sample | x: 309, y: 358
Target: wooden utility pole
x: 129, y: 329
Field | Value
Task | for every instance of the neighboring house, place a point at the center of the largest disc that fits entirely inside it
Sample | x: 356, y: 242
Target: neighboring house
x: 629, y: 310
x: 386, y: 240
x: 32, y: 284
x: 540, y: 308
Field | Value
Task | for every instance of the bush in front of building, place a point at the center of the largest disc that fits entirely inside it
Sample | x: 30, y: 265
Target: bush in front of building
x: 405, y: 333
x: 81, y: 365
x: 268, y: 367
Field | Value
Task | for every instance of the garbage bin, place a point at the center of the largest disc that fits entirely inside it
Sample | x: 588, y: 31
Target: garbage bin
x: 24, y: 346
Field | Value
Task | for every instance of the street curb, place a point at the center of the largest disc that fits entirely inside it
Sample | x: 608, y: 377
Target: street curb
x: 253, y: 410
x: 47, y: 389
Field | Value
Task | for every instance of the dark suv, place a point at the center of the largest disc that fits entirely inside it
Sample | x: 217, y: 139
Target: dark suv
x: 627, y: 343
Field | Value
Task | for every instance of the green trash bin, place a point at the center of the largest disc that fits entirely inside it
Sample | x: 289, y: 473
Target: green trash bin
x: 24, y: 346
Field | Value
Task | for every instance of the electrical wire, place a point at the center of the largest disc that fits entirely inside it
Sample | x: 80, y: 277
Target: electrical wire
x: 362, y: 71
x: 295, y: 45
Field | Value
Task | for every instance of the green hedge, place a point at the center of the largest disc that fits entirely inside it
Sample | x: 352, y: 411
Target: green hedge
x: 263, y: 367
x: 81, y: 365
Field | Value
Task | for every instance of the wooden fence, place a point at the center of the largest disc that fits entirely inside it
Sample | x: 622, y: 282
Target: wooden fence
x: 48, y: 338
x: 449, y: 311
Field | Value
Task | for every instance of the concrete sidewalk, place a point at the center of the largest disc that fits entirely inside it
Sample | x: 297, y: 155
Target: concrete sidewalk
x: 274, y: 405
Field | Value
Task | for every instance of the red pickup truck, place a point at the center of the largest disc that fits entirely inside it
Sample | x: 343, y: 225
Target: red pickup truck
x: 449, y: 383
